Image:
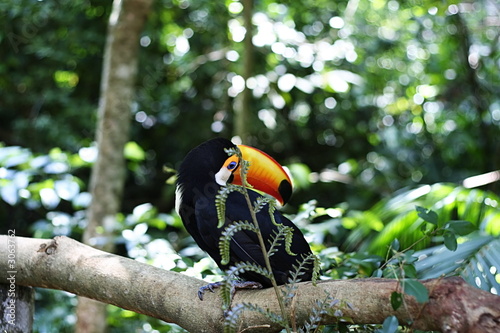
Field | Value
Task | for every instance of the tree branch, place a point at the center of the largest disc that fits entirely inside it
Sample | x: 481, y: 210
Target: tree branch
x: 65, y: 264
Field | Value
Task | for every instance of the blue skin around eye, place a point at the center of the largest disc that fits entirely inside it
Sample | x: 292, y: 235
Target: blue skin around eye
x: 231, y: 165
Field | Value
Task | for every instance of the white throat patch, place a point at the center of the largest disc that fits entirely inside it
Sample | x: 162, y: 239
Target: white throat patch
x: 222, y: 176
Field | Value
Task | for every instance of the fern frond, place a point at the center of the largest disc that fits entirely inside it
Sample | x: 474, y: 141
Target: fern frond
x: 260, y: 203
x: 232, y: 317
x: 319, y: 309
x: 302, y: 267
x: 233, y: 273
x: 244, y: 166
x: 274, y: 243
x: 275, y: 318
x: 227, y: 234
x: 233, y: 151
x: 220, y: 201
x: 288, y: 240
x: 316, y: 269
x: 241, y: 267
x: 231, y: 322
x: 288, y: 292
x: 284, y: 233
x: 272, y: 209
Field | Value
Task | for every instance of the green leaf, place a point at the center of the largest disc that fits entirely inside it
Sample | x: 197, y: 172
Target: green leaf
x: 461, y: 228
x: 134, y: 152
x: 410, y: 271
x: 450, y: 240
x: 395, y: 244
x: 390, y: 325
x: 396, y: 300
x: 416, y: 289
x: 427, y: 215
x: 409, y: 257
x: 391, y: 272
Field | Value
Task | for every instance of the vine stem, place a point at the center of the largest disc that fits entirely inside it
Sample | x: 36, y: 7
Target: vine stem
x: 432, y: 233
x: 262, y: 243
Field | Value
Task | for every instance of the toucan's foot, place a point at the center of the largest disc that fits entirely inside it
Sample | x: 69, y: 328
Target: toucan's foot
x: 234, y: 286
x: 210, y: 287
x: 245, y: 285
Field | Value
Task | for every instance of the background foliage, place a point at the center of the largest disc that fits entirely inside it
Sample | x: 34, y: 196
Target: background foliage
x: 375, y: 106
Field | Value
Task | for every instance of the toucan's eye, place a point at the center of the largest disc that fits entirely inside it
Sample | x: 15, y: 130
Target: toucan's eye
x: 232, y: 165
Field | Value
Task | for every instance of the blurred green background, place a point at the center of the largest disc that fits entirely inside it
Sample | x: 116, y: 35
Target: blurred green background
x: 376, y: 107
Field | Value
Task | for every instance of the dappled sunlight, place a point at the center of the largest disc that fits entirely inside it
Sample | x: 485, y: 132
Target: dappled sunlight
x: 385, y: 112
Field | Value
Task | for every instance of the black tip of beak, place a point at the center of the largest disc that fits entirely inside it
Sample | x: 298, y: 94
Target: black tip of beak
x: 285, y: 190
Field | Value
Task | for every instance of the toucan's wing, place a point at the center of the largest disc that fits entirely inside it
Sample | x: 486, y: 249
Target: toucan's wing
x: 245, y: 246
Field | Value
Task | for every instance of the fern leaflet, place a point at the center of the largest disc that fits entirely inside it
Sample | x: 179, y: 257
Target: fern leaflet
x: 232, y: 274
x: 220, y: 201
x: 284, y: 233
x: 231, y: 321
x: 227, y: 234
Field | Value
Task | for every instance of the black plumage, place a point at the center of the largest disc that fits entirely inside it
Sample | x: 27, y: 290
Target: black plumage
x: 196, y: 194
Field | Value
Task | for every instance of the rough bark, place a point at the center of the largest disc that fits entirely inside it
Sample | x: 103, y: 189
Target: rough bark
x: 65, y: 264
x: 17, y: 308
x: 114, y: 115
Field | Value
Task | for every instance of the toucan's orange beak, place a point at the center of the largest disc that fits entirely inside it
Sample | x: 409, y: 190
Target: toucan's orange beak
x: 265, y: 174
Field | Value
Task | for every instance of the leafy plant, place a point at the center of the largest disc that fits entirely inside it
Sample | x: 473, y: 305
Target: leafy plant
x: 466, y: 221
x: 476, y: 259
x: 282, y: 236
x: 382, y: 94
x: 464, y: 252
x: 456, y: 210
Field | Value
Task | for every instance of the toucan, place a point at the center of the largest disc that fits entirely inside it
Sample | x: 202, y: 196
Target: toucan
x: 201, y: 175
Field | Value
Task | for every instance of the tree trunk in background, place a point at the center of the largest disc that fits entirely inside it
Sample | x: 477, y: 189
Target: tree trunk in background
x: 480, y: 94
x: 17, y: 306
x: 242, y: 108
x: 108, y: 173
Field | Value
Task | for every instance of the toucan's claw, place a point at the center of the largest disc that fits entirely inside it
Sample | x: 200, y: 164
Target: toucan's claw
x: 210, y: 287
x: 234, y: 286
